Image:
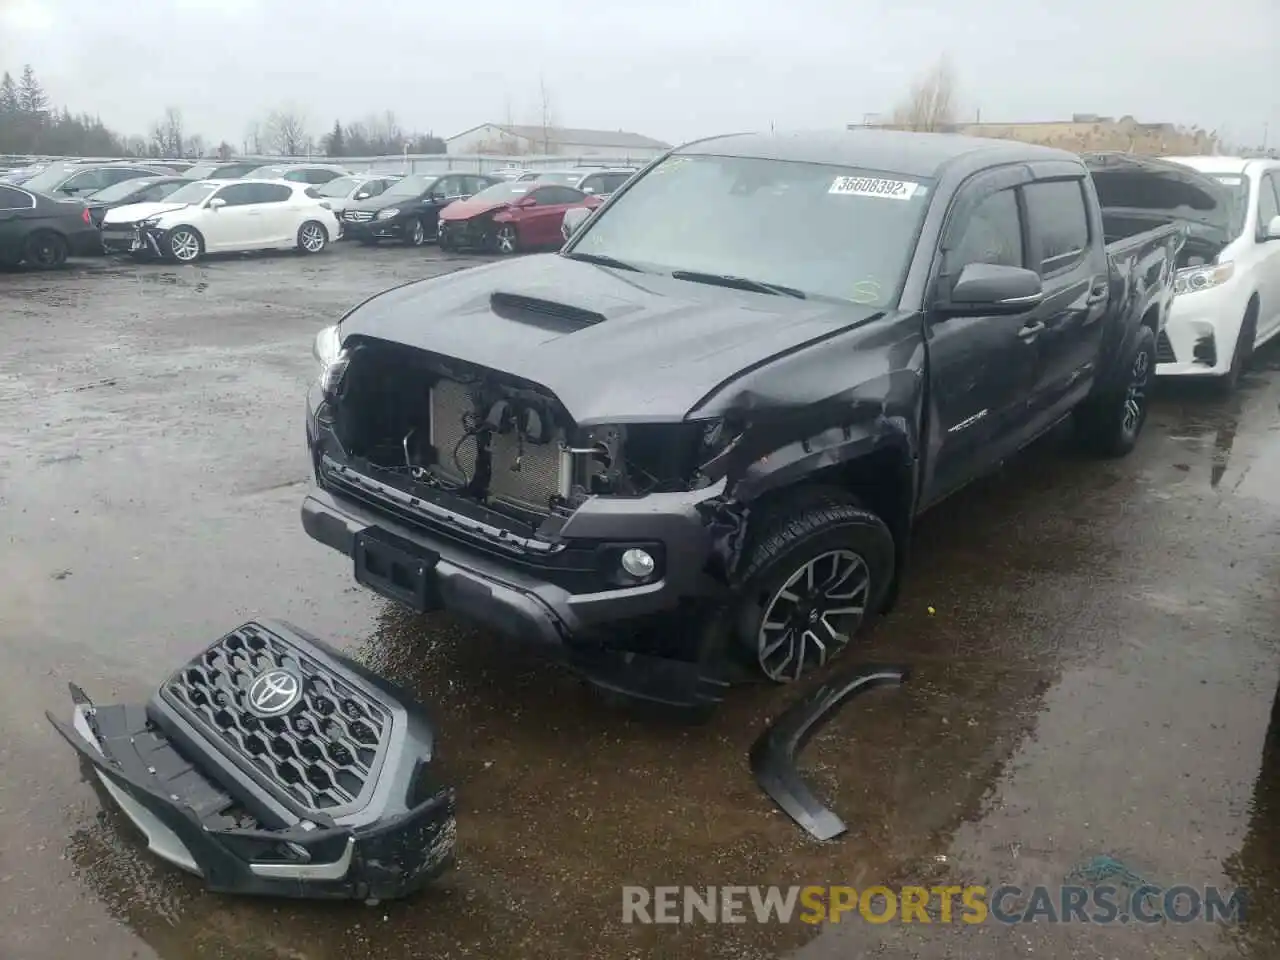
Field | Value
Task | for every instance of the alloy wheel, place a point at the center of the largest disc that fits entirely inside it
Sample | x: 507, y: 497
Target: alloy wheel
x: 507, y: 239
x: 313, y: 238
x: 417, y: 234
x: 811, y: 617
x: 47, y: 252
x: 185, y: 246
x: 1135, y: 397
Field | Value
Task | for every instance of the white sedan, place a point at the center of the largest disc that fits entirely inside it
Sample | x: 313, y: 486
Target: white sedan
x: 223, y: 216
x: 1229, y: 304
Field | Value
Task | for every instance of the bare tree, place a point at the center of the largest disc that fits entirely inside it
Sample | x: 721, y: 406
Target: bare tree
x: 930, y: 105
x: 166, y: 133
x: 287, y: 131
x: 253, y: 139
x: 547, y: 116
x: 195, y: 145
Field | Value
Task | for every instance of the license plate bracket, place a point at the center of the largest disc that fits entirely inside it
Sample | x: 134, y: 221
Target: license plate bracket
x: 397, y: 568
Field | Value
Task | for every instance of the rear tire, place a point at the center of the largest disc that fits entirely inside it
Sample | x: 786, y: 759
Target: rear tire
x: 1243, y: 352
x: 45, y: 250
x: 1111, y: 422
x: 815, y: 574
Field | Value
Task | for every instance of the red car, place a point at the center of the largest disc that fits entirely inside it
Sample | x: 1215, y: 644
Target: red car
x: 511, y: 216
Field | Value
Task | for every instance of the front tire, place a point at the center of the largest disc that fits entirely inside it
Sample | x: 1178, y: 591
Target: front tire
x: 1240, y: 356
x: 46, y: 250
x: 415, y: 233
x: 506, y: 239
x: 312, y: 237
x: 819, y: 569
x: 183, y: 245
x: 1111, y: 422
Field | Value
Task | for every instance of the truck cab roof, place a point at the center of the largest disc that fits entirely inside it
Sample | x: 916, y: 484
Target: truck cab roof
x: 905, y: 152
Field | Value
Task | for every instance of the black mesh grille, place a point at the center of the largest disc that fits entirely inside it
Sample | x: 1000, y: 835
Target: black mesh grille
x: 1164, y: 349
x: 322, y: 753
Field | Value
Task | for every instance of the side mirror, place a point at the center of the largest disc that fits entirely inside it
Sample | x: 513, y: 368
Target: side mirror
x: 436, y: 195
x: 989, y: 288
x: 217, y: 203
x: 1272, y: 229
x: 574, y: 219
x: 363, y: 195
x: 527, y: 202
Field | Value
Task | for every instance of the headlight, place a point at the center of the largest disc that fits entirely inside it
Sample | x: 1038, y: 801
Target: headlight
x: 327, y: 346
x: 388, y: 213
x: 149, y: 222
x: 1194, y: 279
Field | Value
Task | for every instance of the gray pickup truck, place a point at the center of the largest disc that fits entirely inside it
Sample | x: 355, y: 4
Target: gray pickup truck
x: 695, y: 440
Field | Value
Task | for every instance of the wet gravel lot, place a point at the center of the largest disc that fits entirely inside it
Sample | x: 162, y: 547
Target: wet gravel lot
x: 1098, y: 675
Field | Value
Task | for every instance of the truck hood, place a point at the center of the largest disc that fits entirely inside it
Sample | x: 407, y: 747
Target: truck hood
x: 1145, y: 186
x: 133, y: 212
x: 612, y: 345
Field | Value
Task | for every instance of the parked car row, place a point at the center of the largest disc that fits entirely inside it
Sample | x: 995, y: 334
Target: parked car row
x: 1227, y: 283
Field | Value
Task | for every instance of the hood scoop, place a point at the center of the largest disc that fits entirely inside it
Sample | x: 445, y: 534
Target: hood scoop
x: 547, y: 314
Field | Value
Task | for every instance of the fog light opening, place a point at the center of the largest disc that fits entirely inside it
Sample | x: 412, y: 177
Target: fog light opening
x: 638, y: 563
x: 1206, y: 350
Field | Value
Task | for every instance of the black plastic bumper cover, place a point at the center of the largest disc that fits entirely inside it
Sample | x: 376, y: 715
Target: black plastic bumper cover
x: 200, y: 809
x: 773, y: 755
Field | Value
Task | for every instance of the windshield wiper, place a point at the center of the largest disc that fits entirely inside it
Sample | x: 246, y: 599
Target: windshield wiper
x: 603, y: 260
x: 740, y: 283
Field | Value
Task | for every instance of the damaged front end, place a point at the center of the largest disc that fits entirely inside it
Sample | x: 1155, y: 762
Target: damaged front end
x: 270, y: 764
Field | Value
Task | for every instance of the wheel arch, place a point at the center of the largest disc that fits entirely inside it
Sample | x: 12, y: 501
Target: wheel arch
x: 881, y: 476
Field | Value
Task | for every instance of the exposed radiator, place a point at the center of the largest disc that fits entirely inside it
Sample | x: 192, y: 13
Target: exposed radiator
x: 531, y: 487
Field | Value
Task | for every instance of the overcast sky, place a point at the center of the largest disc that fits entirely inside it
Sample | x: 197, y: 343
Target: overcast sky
x: 672, y: 70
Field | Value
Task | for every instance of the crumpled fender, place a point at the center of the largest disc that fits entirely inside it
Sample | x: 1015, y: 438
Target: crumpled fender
x: 773, y: 755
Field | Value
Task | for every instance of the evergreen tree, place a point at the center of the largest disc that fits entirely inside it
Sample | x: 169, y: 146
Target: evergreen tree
x: 336, y: 145
x: 31, y: 96
x: 8, y: 95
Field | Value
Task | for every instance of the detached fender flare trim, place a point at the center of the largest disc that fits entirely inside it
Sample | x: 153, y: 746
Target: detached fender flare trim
x: 773, y: 755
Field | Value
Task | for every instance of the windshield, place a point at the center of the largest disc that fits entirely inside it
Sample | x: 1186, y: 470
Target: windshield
x: 410, y: 187
x: 569, y: 179
x: 338, y: 187
x: 504, y: 192
x: 118, y: 191
x: 822, y: 230
x: 191, y: 193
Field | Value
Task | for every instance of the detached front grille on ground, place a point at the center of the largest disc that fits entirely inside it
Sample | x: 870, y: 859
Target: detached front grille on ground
x: 323, y: 753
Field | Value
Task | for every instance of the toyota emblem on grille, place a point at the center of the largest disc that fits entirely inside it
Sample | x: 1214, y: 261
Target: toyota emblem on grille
x: 274, y: 692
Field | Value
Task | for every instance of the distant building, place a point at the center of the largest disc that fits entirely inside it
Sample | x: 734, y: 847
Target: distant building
x: 1090, y: 132
x: 516, y: 139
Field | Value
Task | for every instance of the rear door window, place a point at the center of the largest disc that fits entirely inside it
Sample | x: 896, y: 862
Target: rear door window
x: 270, y: 192
x: 1059, y: 223
x: 11, y: 199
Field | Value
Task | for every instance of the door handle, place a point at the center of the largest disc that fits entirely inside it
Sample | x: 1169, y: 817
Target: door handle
x: 1031, y: 330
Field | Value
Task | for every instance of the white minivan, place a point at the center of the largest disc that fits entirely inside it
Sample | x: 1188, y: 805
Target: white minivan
x: 1228, y: 303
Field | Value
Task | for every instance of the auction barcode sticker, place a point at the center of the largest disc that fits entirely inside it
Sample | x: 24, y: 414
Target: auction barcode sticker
x: 873, y: 187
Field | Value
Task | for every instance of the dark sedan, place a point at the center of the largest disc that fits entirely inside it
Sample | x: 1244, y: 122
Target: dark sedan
x: 82, y: 179
x: 42, y: 232
x: 139, y: 190
x: 409, y: 210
